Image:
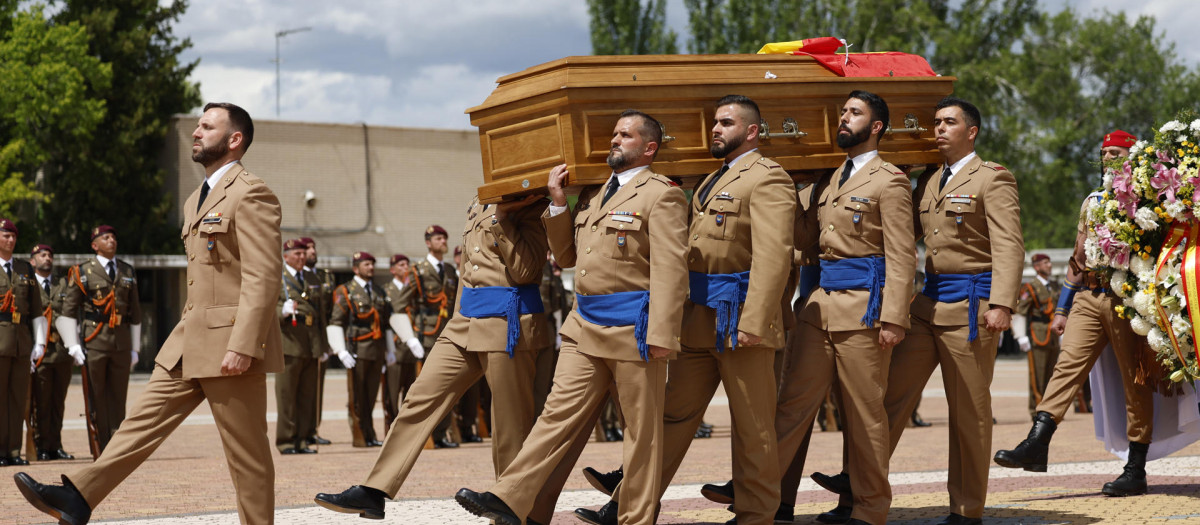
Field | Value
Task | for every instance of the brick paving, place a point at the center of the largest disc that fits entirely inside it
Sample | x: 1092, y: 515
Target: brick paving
x: 187, y: 481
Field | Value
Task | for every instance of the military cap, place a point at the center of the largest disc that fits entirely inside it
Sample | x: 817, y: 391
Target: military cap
x: 101, y: 230
x: 308, y: 241
x: 397, y: 258
x: 458, y: 250
x: 435, y: 230
x: 294, y: 244
x: 8, y: 225
x: 1118, y: 138
x: 41, y: 248
x: 363, y: 256
x: 1040, y: 257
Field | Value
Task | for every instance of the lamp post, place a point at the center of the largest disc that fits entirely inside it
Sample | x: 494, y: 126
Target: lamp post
x: 278, y: 35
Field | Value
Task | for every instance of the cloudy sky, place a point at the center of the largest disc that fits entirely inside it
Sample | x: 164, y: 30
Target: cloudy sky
x: 418, y: 63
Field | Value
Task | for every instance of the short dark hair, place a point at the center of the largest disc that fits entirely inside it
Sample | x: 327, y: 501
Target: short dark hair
x: 651, y: 129
x: 969, y: 110
x: 879, y: 108
x: 239, y: 119
x: 745, y: 103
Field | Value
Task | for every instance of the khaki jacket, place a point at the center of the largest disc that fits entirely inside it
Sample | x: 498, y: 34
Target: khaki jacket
x: 641, y: 249
x: 511, y: 252
x: 305, y: 338
x: 744, y: 226
x: 972, y: 226
x: 16, y: 336
x: 432, y: 299
x: 232, y: 245
x: 87, y: 299
x: 868, y: 217
x: 363, y: 317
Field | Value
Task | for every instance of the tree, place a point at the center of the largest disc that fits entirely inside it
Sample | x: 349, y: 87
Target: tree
x: 112, y: 176
x: 46, y: 76
x: 625, y: 27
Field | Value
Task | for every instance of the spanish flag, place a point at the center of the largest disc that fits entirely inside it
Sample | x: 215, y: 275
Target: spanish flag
x: 824, y: 50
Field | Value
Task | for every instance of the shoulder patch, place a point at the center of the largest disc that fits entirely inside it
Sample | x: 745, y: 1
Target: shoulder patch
x: 995, y: 166
x: 250, y: 179
x: 768, y: 163
x: 663, y: 179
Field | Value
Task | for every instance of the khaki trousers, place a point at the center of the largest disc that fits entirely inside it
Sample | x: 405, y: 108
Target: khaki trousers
x: 546, y: 359
x: 967, y: 376
x: 14, y: 396
x: 1041, y: 366
x: 448, y: 372
x: 581, y: 384
x: 1091, y: 326
x: 239, y: 407
x: 295, y: 401
x: 51, y: 381
x: 108, y: 377
x: 854, y: 362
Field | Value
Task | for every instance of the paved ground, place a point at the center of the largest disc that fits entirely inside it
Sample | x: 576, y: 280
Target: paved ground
x: 186, y: 481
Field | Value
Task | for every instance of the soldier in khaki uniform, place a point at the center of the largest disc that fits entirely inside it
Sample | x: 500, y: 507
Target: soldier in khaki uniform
x: 22, y: 342
x: 52, y: 377
x: 102, y: 305
x: 1086, y: 319
x: 626, y: 240
x: 402, y: 343
x: 558, y: 305
x: 296, y: 387
x: 225, y: 344
x: 355, y: 333
x: 435, y: 284
x: 327, y: 286
x: 1031, y: 325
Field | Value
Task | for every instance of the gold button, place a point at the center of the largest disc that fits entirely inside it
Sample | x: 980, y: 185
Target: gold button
x: 264, y: 345
x: 858, y: 206
x: 701, y: 214
x: 189, y: 306
x: 830, y: 227
x: 232, y: 320
x: 621, y: 227
x: 772, y: 325
x: 588, y: 250
x: 194, y: 230
x: 935, y: 251
x: 694, y: 237
x: 835, y: 203
x: 192, y: 257
x: 722, y: 207
x: 190, y: 281
x: 935, y: 231
x: 475, y: 267
x: 210, y: 228
x: 582, y: 273
x: 476, y: 249
x: 829, y: 250
x: 593, y: 227
x: 691, y: 259
x: 959, y: 208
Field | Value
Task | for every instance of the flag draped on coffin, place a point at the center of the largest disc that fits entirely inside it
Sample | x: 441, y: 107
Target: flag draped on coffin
x: 824, y: 50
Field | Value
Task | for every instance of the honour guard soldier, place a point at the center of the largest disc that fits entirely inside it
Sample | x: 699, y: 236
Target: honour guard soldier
x: 327, y: 286
x: 53, y: 374
x: 435, y: 285
x: 1086, y: 318
x: 401, y: 340
x: 102, y: 305
x: 22, y: 342
x: 355, y: 333
x: 296, y: 387
x: 1031, y: 325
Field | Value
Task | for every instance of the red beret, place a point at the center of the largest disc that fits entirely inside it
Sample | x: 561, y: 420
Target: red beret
x: 8, y: 225
x: 308, y: 241
x: 363, y: 256
x: 41, y: 248
x: 435, y: 230
x: 1118, y: 138
x: 101, y: 230
x: 458, y: 250
x: 1040, y: 257
x: 397, y: 258
x: 294, y: 244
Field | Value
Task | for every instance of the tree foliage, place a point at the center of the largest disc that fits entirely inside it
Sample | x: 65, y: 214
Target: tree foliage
x: 626, y: 27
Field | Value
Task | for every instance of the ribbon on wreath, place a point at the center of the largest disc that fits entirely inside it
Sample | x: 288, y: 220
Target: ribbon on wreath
x: 1182, y: 238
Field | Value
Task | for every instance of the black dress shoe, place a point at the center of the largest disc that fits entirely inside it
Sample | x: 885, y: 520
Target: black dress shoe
x: 3, y: 461
x: 612, y: 435
x: 61, y: 454
x: 918, y: 422
x: 718, y: 493
x: 607, y: 515
x: 838, y: 483
x: 443, y: 443
x: 857, y: 522
x: 305, y: 450
x: 605, y: 483
x: 17, y: 461
x: 959, y: 519
x: 318, y: 440
x: 289, y: 451
x: 785, y: 514
x: 706, y: 426
x: 365, y: 501
x: 702, y: 433
x: 63, y: 502
x: 44, y: 456
x: 371, y: 443
x: 487, y: 505
x: 839, y: 514
x: 472, y: 438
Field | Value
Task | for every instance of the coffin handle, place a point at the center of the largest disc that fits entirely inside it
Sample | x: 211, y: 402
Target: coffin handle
x: 911, y: 125
x: 791, y: 130
x: 665, y: 137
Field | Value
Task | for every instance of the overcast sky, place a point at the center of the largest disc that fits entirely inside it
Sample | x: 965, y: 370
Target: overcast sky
x: 416, y: 63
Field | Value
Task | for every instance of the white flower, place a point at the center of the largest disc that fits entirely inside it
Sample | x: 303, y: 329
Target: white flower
x: 1196, y: 126
x: 1146, y: 219
x: 1137, y: 148
x: 1140, y: 326
x: 1143, y: 269
x: 1117, y: 281
x: 1173, y: 125
x: 1175, y: 209
x: 1158, y: 340
x: 1143, y: 302
x: 1180, y: 325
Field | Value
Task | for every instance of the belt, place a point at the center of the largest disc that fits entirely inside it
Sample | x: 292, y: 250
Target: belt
x: 306, y: 320
x: 614, y: 310
x: 723, y: 292
x: 12, y: 317
x: 363, y: 324
x: 99, y: 317
x: 860, y: 273
x: 502, y: 301
x: 955, y: 287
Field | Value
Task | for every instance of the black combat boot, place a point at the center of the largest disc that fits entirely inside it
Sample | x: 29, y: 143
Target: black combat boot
x: 1031, y: 454
x: 1132, y: 482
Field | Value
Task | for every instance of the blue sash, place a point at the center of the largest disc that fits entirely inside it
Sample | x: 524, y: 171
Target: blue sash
x: 723, y: 292
x: 955, y: 287
x: 861, y: 273
x: 810, y: 277
x: 614, y: 310
x: 502, y: 301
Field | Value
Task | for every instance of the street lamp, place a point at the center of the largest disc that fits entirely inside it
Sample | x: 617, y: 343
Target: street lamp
x: 278, y: 35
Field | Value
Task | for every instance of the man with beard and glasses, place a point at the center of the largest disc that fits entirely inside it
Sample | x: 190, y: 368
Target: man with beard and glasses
x: 627, y: 241
x: 327, y: 285
x: 226, y: 342
x: 53, y: 374
x: 739, y: 256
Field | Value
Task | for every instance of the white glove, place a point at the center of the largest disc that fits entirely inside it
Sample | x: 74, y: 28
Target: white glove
x: 415, y: 347
x: 68, y: 330
x: 336, y: 336
x: 39, y: 350
x: 390, y: 357
x: 289, y: 307
x: 135, y: 339
x: 324, y: 357
x: 40, y: 329
x: 402, y: 326
x: 76, y: 352
x: 389, y: 341
x: 133, y: 359
x: 1023, y: 342
x: 347, y: 359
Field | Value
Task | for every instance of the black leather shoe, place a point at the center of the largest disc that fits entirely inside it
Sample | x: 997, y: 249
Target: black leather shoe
x: 61, y: 454
x: 839, y: 514
x: 918, y: 422
x: 785, y: 514
x: 706, y: 426
x: 857, y: 522
x: 607, y: 515
x: 612, y: 435
x: 702, y: 433
x: 472, y: 438
x: 1132, y: 481
x: 3, y: 461
x: 45, y: 456
x: 63, y: 502
x: 318, y: 440
x: 17, y: 461
x: 486, y: 505
x: 1033, y: 453
x: 718, y: 493
x: 305, y: 450
x: 959, y: 519
x: 365, y: 501
x: 838, y: 484
x: 372, y: 443
x: 444, y: 443
x: 290, y: 451
x: 605, y: 483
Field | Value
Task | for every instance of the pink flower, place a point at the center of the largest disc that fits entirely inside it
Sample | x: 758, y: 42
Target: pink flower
x: 1117, y: 251
x: 1165, y: 180
x: 1122, y: 184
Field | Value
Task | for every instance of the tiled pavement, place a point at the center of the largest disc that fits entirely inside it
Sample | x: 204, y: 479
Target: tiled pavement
x: 186, y: 481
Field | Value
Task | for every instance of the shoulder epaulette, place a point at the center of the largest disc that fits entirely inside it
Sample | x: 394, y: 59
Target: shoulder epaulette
x: 250, y: 179
x: 995, y: 166
x: 768, y: 163
x: 888, y: 166
x: 663, y: 179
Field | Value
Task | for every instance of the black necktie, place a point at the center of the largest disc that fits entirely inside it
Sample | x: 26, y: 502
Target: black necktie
x: 609, y: 191
x: 367, y: 287
x: 846, y: 173
x: 112, y: 271
x: 945, y: 178
x: 300, y: 278
x: 46, y: 286
x: 203, y: 195
x: 8, y: 270
x: 704, y: 193
x: 442, y: 267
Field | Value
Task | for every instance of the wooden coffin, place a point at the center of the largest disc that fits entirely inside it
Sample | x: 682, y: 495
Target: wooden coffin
x: 564, y: 112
